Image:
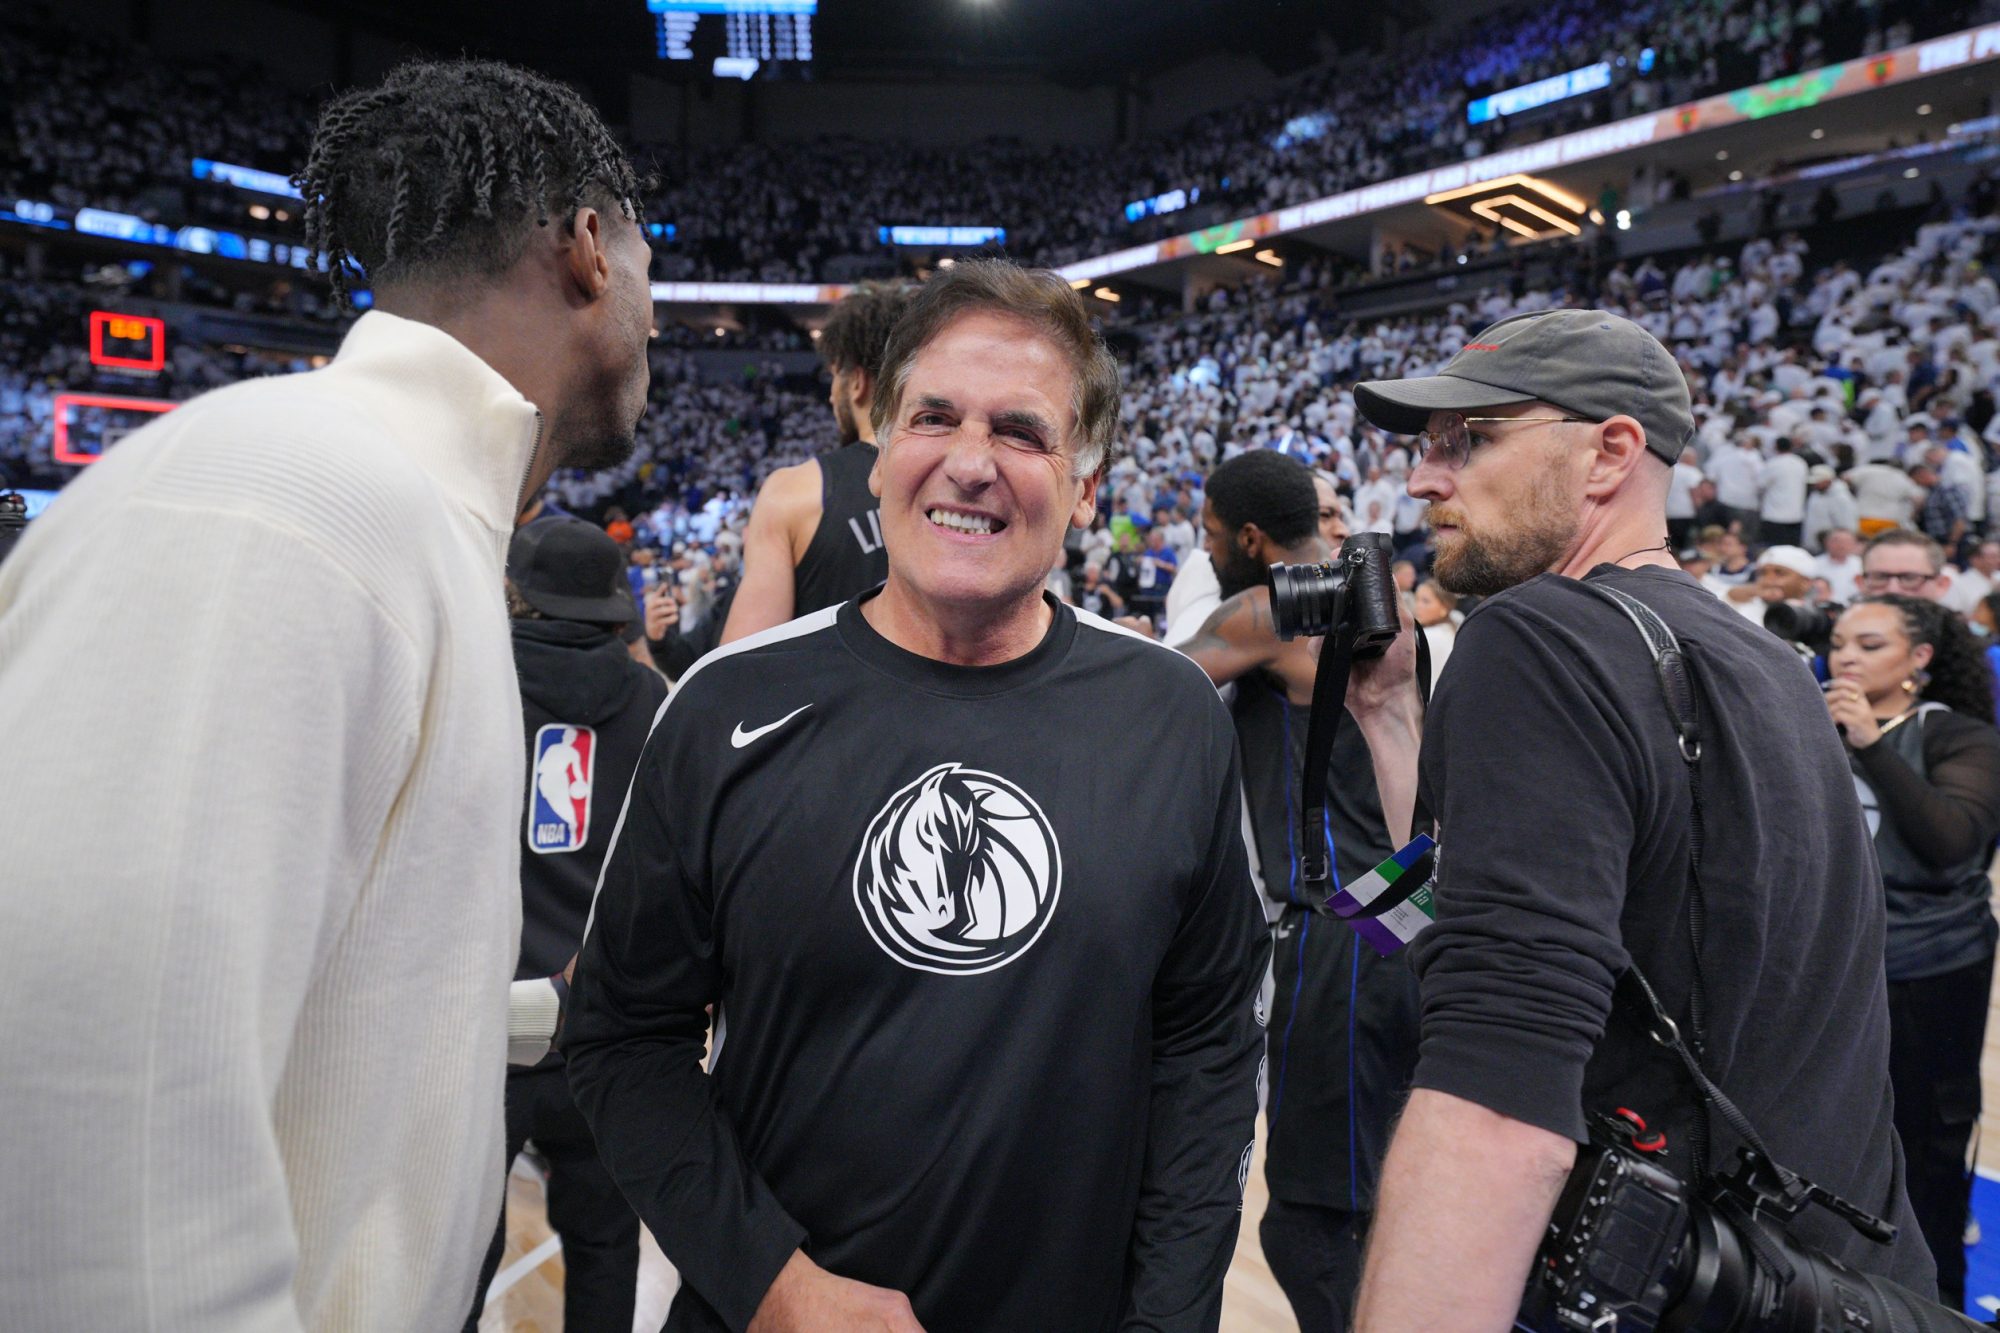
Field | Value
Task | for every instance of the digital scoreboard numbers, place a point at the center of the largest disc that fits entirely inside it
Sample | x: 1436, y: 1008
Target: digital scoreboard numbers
x: 132, y: 343
x: 738, y: 39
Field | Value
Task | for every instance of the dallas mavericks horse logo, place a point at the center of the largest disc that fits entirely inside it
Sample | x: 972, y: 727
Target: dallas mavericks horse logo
x: 959, y: 873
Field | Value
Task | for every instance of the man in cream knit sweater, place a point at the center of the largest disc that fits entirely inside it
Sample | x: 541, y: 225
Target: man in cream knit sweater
x: 263, y: 754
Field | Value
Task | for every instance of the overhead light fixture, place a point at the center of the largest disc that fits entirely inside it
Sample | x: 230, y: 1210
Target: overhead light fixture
x: 946, y: 262
x: 1079, y: 283
x: 1597, y: 217
x: 1624, y: 220
x: 1234, y: 246
x: 1490, y: 210
x: 1819, y: 134
x: 719, y: 330
x: 1722, y: 154
x: 1910, y: 173
x: 1535, y: 183
x: 259, y: 212
x: 1271, y: 257
x: 1736, y: 175
x: 815, y: 334
x: 1106, y: 294
x: 1924, y: 110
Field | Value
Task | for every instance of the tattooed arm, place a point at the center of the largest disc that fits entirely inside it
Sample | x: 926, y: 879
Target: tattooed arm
x: 1238, y: 638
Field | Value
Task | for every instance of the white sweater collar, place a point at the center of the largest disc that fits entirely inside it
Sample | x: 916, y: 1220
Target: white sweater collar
x: 458, y: 417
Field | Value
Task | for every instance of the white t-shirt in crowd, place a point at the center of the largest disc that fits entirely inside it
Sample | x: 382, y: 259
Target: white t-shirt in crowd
x: 1841, y: 576
x: 1738, y: 474
x: 1884, y: 491
x: 1968, y: 589
x: 1680, y: 490
x: 1784, y: 490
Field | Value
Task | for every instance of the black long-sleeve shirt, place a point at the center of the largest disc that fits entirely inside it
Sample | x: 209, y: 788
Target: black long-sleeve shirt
x: 983, y: 951
x: 1564, y: 813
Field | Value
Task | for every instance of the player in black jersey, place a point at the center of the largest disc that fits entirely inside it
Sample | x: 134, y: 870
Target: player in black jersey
x: 815, y: 534
x: 961, y: 872
x: 1342, y: 1028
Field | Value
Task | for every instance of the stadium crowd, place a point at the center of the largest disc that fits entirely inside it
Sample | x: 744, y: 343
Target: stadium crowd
x: 755, y: 212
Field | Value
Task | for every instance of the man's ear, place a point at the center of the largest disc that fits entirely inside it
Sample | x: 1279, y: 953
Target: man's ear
x: 875, y: 470
x: 861, y: 389
x: 1250, y: 539
x: 1085, y: 509
x: 1619, y: 451
x: 585, y: 260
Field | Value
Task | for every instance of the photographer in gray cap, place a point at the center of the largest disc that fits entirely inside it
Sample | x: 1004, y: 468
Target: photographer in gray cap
x: 1564, y: 813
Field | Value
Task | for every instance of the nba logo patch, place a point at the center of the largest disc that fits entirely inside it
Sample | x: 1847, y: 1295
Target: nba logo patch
x: 559, y: 796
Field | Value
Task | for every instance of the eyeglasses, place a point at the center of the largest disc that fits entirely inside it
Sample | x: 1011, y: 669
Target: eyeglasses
x: 1453, y: 442
x: 1908, y: 582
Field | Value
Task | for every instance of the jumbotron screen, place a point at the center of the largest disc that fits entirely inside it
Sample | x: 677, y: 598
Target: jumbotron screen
x: 738, y: 39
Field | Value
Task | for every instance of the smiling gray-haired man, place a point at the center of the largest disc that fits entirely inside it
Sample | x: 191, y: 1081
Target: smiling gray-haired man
x: 978, y: 930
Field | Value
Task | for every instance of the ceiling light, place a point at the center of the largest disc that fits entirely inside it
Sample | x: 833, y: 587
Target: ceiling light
x: 1819, y: 134
x: 1234, y: 246
x: 1270, y: 257
x: 1106, y: 294
x: 946, y: 262
x: 1540, y: 186
x: 1924, y: 110
x: 1722, y: 154
x: 259, y: 212
x: 1909, y: 173
x: 1736, y: 175
x: 719, y: 330
x: 1079, y: 283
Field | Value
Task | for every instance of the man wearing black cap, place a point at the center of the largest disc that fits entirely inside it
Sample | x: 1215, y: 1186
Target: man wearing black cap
x: 587, y: 706
x: 1564, y: 813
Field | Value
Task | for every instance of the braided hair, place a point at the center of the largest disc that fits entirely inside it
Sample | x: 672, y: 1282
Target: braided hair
x: 444, y: 169
x: 1959, y: 676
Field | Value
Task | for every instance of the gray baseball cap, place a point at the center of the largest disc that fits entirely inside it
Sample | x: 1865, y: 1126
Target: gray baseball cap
x: 1590, y: 363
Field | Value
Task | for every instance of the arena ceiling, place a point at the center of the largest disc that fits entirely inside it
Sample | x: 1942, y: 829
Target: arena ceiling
x: 1069, y: 41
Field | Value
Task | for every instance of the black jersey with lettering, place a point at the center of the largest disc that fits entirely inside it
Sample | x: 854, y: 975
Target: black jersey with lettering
x: 983, y: 952
x: 1343, y: 1019
x: 845, y: 557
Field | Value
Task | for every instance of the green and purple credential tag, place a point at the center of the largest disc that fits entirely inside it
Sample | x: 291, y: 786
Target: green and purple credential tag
x: 1402, y: 923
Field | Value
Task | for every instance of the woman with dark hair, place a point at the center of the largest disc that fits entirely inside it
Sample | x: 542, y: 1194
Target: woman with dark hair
x: 1912, y: 695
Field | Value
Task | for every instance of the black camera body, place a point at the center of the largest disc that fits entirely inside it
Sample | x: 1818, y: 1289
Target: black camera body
x: 1631, y: 1249
x: 1808, y: 625
x: 1356, y: 588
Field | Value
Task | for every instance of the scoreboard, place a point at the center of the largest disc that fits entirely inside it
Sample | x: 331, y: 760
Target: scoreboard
x: 738, y: 39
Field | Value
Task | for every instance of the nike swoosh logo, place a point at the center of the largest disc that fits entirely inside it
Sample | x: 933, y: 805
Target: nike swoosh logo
x: 740, y: 738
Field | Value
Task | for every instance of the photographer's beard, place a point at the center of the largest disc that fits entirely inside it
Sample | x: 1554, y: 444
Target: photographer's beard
x: 1538, y: 533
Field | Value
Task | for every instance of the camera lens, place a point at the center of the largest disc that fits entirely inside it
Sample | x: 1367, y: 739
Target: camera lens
x: 1303, y: 597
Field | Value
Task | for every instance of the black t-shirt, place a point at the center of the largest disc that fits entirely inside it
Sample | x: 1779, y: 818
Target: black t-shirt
x: 845, y: 557
x: 1563, y: 806
x: 981, y: 1035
